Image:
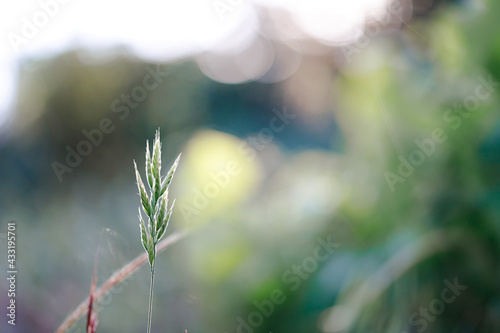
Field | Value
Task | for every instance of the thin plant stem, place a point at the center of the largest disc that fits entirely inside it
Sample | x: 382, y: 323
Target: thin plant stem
x: 151, y: 286
x: 155, y: 206
x: 117, y: 278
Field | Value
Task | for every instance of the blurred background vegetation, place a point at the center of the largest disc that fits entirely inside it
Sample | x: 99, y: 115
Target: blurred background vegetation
x: 355, y: 109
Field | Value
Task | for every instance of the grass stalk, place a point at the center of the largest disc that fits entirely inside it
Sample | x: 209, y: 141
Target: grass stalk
x: 151, y: 287
x: 155, y: 206
x: 117, y: 278
x: 158, y: 214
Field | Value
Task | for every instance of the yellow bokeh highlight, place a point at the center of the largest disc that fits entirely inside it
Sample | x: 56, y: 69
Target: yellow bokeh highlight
x: 218, y: 172
x: 219, y: 261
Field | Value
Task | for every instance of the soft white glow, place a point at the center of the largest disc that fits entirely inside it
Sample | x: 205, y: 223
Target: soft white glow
x: 331, y: 21
x: 163, y: 30
x: 7, y: 90
x: 243, y: 65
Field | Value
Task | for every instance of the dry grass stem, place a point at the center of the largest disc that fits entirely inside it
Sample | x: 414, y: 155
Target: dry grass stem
x: 116, y: 278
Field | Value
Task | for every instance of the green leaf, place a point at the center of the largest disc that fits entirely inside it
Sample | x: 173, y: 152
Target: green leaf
x: 151, y: 256
x: 144, y: 235
x: 156, y: 159
x: 170, y: 175
x: 157, y: 187
x: 161, y: 232
x: 149, y: 171
x: 151, y: 233
x: 165, y: 222
x: 161, y: 210
x: 142, y: 192
x: 151, y: 251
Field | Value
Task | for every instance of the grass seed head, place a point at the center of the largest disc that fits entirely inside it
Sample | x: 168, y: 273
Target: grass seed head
x: 155, y: 205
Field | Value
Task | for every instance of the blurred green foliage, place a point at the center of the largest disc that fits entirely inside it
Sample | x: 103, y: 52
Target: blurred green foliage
x: 267, y: 203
